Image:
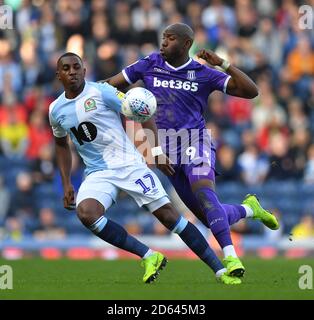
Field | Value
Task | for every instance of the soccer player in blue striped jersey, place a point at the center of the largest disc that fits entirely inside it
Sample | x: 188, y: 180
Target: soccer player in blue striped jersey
x: 182, y: 86
x: 89, y: 113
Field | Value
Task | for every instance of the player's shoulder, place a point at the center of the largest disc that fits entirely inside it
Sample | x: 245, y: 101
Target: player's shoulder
x: 204, y: 70
x: 152, y: 58
x: 102, y: 86
x: 205, y: 67
x: 57, y: 102
x: 199, y: 66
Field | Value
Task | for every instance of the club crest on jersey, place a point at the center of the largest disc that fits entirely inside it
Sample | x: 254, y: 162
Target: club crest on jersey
x: 90, y: 105
x: 191, y: 75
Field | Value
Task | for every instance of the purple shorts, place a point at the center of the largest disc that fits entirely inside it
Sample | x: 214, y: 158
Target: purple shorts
x: 194, y: 159
x: 191, y: 153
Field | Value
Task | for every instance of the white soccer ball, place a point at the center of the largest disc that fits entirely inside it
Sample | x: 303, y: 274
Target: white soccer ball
x: 139, y: 104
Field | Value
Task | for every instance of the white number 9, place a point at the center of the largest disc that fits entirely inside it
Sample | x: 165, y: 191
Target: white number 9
x: 190, y: 151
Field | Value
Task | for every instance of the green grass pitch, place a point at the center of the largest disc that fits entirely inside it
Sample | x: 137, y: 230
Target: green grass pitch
x: 182, y: 279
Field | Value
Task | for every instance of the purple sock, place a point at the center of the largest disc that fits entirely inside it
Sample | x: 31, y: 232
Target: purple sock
x: 216, y: 216
x: 234, y: 212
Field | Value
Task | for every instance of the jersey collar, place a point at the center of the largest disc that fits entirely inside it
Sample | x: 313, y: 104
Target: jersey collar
x: 180, y: 67
x: 77, y: 97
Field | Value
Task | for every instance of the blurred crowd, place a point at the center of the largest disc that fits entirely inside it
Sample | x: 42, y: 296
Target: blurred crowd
x: 265, y: 141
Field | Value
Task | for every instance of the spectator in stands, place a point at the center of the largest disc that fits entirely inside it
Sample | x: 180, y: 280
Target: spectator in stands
x: 253, y: 166
x: 193, y: 15
x: 48, y: 228
x: 266, y: 110
x: 217, y: 112
x: 305, y: 228
x: 10, y: 105
x: 296, y: 115
x: 14, y: 137
x: 274, y: 126
x: 14, y: 229
x: 300, y: 67
x: 200, y: 41
x: 266, y: 40
x: 227, y: 166
x: 48, y: 31
x: 216, y: 18
x: 284, y: 94
x: 10, y: 70
x: 281, y: 164
x: 22, y: 201
x: 39, y: 134
x: 123, y: 31
x: 239, y: 111
x: 299, y: 144
x: 146, y: 20
x: 43, y: 168
x: 29, y: 63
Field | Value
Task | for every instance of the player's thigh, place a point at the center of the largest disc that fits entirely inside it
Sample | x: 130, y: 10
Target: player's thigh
x: 96, y: 193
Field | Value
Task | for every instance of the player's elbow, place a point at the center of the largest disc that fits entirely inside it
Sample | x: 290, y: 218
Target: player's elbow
x: 254, y: 92
x: 251, y: 93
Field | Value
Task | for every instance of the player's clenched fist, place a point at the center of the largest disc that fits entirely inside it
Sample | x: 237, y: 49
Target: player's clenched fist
x: 210, y: 57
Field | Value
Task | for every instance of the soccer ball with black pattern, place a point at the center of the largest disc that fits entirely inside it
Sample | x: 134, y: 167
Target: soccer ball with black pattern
x: 139, y: 104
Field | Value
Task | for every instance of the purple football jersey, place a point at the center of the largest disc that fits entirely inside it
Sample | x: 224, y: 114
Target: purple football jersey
x: 181, y: 92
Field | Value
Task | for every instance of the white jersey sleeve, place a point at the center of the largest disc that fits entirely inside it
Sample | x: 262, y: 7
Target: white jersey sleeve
x: 111, y: 96
x: 57, y: 130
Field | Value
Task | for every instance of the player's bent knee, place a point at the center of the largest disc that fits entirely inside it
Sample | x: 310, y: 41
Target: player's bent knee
x: 167, y: 215
x: 89, y: 210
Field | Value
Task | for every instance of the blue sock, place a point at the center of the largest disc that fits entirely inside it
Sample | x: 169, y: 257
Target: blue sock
x: 114, y: 234
x: 197, y: 243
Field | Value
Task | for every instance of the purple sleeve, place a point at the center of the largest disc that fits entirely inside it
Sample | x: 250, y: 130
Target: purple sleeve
x: 135, y: 71
x: 217, y: 80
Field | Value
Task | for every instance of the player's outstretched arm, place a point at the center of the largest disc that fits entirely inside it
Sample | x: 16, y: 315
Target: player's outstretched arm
x: 163, y: 163
x: 64, y: 161
x: 117, y: 81
x: 240, y: 84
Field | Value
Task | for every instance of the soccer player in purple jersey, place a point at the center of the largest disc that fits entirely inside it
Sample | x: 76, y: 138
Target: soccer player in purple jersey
x: 182, y: 86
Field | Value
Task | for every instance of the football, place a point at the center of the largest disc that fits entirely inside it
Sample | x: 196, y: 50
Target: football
x: 139, y: 104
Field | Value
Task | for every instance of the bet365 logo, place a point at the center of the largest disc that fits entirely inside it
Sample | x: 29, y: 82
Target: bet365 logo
x: 176, y: 84
x: 6, y: 277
